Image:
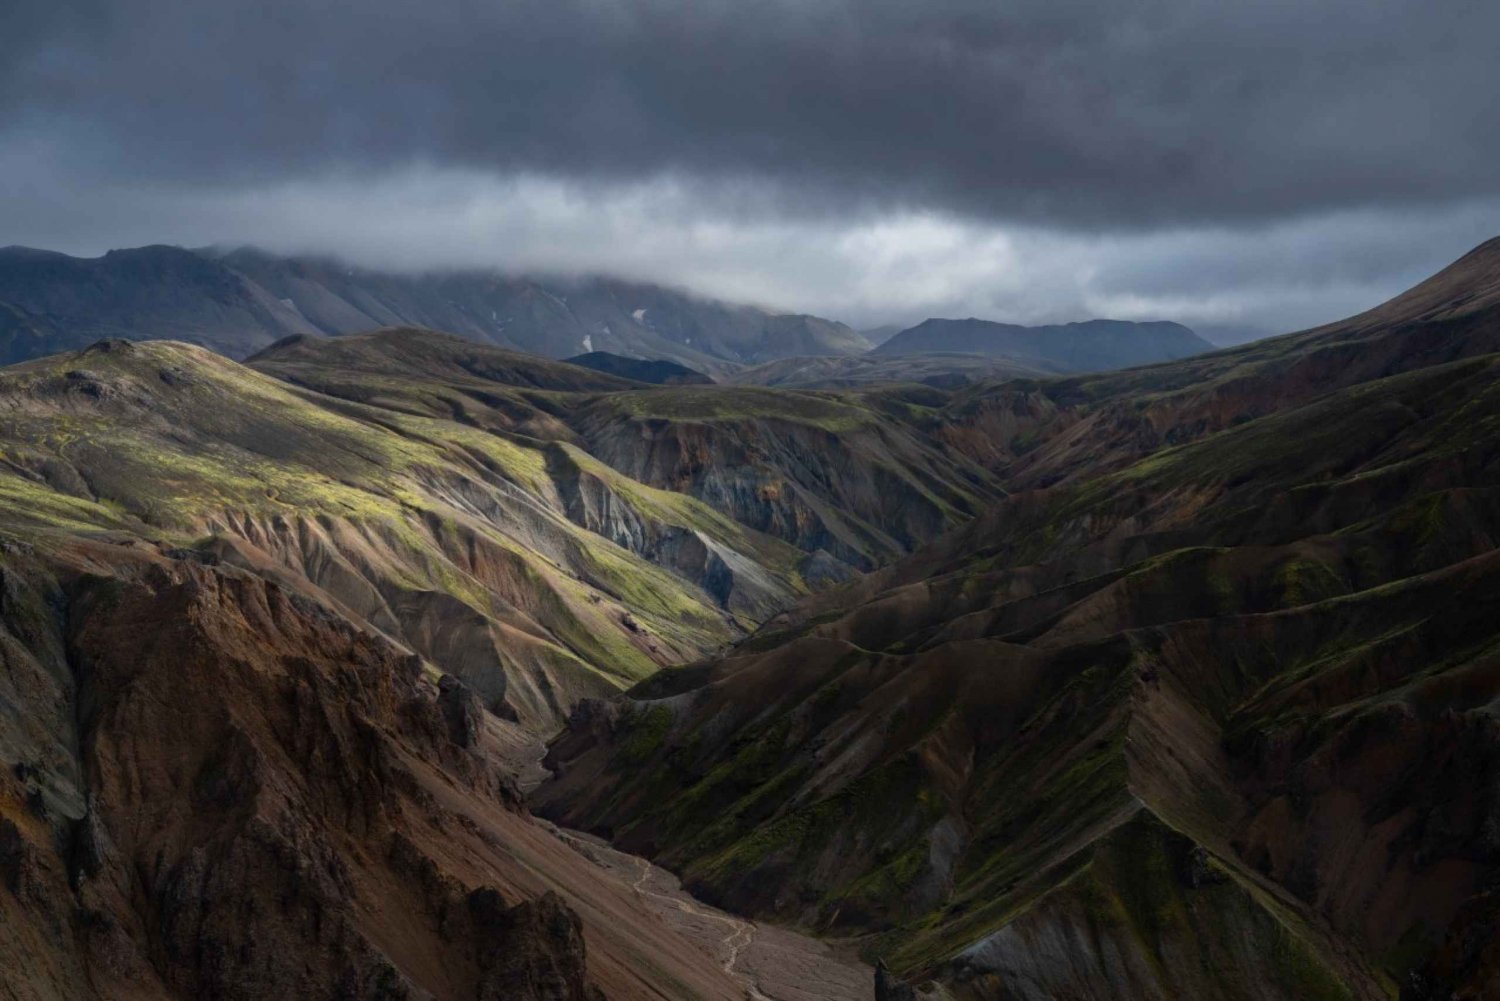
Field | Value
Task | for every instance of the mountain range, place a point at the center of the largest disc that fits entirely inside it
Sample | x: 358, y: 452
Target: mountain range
x: 1203, y: 708
x: 239, y: 301
x: 1026, y: 681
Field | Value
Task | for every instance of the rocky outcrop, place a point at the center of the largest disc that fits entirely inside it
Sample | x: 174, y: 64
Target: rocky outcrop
x: 532, y: 950
x: 462, y: 711
x: 864, y: 493
x: 278, y: 804
x: 889, y: 987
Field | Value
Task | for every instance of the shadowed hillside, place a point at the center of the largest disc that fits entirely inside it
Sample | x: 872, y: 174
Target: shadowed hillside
x: 1204, y: 720
x: 654, y: 371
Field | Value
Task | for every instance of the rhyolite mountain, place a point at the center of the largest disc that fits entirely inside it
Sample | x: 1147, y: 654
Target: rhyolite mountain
x: 51, y: 302
x: 657, y: 371
x: 1173, y: 682
x: 1203, y: 708
x: 239, y: 301
x: 1092, y: 345
x: 217, y: 785
x: 280, y: 640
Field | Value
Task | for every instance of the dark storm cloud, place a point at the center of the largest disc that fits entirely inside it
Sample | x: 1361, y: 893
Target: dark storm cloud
x: 1086, y: 115
x: 1232, y: 164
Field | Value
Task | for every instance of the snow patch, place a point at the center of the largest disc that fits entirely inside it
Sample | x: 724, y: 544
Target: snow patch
x: 640, y: 315
x: 588, y: 342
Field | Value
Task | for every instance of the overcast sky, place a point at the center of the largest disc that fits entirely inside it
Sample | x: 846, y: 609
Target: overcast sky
x: 1271, y: 164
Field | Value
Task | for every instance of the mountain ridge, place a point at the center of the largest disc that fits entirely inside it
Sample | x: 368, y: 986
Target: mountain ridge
x: 1136, y: 709
x: 240, y: 300
x: 1083, y: 346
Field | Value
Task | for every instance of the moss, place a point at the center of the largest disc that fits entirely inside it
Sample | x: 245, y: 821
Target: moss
x: 648, y: 730
x: 1300, y: 581
x: 828, y: 411
x: 1303, y: 973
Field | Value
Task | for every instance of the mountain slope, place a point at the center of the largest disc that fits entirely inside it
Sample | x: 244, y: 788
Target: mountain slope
x: 1073, y: 347
x: 486, y: 509
x: 555, y: 318
x: 51, y: 302
x: 854, y: 476
x: 450, y: 539
x: 1205, y: 720
x: 216, y: 787
x: 853, y: 480
x: 941, y: 371
x: 1043, y: 434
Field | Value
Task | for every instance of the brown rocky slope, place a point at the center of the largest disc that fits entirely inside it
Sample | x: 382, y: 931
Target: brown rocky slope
x: 222, y: 789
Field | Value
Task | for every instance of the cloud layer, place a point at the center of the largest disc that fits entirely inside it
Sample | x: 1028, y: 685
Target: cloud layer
x: 1272, y: 164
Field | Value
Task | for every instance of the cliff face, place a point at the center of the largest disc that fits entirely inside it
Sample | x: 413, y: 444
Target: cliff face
x: 857, y: 477
x: 225, y: 790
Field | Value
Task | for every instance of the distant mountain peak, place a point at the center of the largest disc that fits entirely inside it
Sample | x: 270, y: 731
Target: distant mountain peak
x: 1085, y: 345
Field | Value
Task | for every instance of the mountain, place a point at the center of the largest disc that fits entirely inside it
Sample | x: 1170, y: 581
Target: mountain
x: 853, y: 480
x: 280, y: 642
x: 656, y: 371
x: 1171, y: 682
x: 51, y: 302
x: 216, y: 786
x: 239, y: 301
x: 879, y: 335
x: 1203, y: 708
x: 416, y: 354
x: 1073, y: 347
x: 1046, y: 433
x: 493, y: 512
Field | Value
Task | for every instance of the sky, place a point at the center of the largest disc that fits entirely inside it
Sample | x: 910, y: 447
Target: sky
x: 1239, y: 167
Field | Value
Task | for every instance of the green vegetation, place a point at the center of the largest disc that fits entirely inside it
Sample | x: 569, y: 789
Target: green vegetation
x: 831, y: 412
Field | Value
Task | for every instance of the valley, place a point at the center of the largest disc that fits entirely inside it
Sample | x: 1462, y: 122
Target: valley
x: 1170, y: 681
